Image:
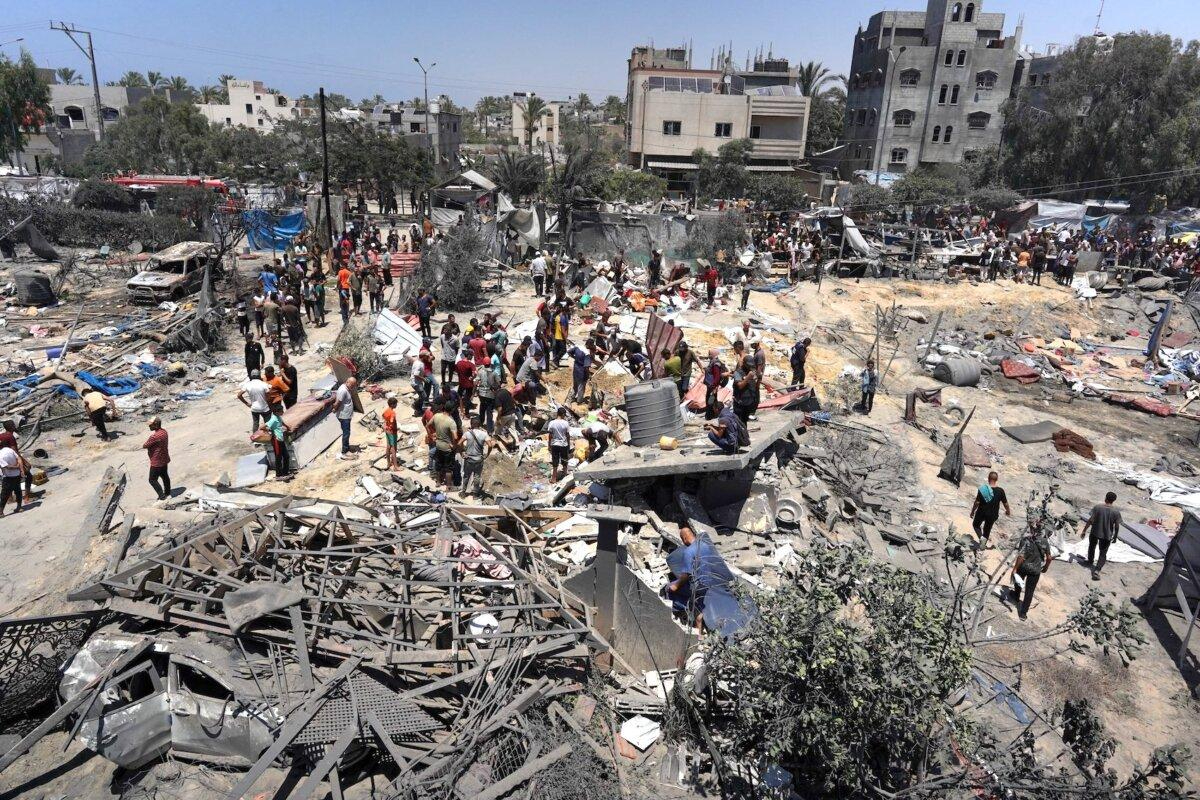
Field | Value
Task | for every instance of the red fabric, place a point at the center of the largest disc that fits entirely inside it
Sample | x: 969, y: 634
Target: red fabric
x: 466, y: 374
x: 479, y: 349
x: 1142, y: 403
x: 156, y: 448
x: 1019, y: 372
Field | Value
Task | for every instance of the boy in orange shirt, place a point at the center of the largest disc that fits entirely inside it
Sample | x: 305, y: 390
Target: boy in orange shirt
x: 390, y: 433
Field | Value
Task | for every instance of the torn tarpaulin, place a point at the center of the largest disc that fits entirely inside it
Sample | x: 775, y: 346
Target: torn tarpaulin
x: 1022, y: 373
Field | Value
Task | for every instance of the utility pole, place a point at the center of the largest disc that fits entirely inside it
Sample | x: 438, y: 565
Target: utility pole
x: 428, y: 130
x: 325, y: 179
x: 90, y: 54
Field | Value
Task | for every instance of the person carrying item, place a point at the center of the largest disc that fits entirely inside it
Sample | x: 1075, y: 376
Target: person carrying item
x: 344, y: 410
x: 1033, y: 559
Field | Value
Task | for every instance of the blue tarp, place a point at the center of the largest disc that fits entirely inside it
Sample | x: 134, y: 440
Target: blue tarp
x: 267, y: 231
x: 1101, y: 222
x: 114, y: 387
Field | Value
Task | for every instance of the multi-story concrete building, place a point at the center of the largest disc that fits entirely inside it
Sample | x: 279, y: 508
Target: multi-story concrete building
x: 546, y: 127
x: 75, y: 124
x: 251, y: 105
x: 926, y: 87
x: 672, y: 110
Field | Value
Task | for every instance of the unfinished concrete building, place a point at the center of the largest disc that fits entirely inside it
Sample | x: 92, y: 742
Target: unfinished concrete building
x: 927, y: 87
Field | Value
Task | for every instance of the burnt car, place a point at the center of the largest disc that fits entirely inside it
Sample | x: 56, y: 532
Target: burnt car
x: 173, y: 273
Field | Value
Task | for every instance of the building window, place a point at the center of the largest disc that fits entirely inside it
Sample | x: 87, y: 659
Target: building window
x: 985, y: 80
x: 910, y: 77
x: 860, y: 117
x: 260, y: 123
x: 903, y: 118
x: 249, y: 108
x: 949, y: 131
x: 723, y: 130
x: 949, y: 57
x: 756, y: 131
x: 954, y: 95
x: 877, y: 78
x: 854, y: 81
x: 109, y: 114
x: 258, y: 97
x: 962, y: 57
x: 228, y: 120
x: 942, y: 94
x: 858, y: 151
x: 454, y: 127
x: 1033, y: 80
x: 672, y: 127
x: 978, y: 121
x: 956, y: 12
x: 414, y: 127
x: 937, y: 132
x: 1046, y: 79
x: 72, y: 117
x: 899, y: 155
x: 970, y: 12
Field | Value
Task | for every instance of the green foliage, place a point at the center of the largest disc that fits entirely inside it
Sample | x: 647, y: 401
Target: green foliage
x: 64, y: 224
x: 533, y: 108
x: 777, y: 192
x: 575, y: 177
x: 155, y: 136
x: 104, y: 196
x: 926, y: 186
x: 192, y: 204
x: 812, y: 76
x: 614, y: 109
x: 1113, y: 628
x: 710, y: 233
x: 994, y: 198
x: 827, y: 113
x: 24, y: 102
x: 842, y: 676
x: 518, y: 174
x: 1128, y: 112
x: 449, y: 270
x: 132, y: 79
x: 869, y: 196
x: 631, y: 186
x: 724, y: 176
x: 583, y: 102
x: 68, y: 76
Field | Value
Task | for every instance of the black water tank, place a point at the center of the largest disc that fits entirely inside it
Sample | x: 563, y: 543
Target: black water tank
x: 33, y: 288
x: 653, y: 409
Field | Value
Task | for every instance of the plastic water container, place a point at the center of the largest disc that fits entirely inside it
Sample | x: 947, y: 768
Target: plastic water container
x: 653, y: 409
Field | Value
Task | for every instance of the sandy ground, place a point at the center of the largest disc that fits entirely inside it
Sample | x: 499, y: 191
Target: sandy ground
x: 1146, y: 705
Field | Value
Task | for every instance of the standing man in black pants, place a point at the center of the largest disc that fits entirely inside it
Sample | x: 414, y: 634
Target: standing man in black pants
x: 156, y: 449
x: 1033, y: 560
x: 798, y: 358
x: 1104, y: 524
x: 254, y: 355
x: 986, y: 508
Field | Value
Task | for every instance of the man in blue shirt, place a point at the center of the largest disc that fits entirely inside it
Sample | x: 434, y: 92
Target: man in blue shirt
x: 727, y: 431
x: 425, y: 307
x: 269, y: 280
x: 581, y: 370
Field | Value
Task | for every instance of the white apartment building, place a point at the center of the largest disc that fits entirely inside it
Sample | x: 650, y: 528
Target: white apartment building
x: 545, y: 129
x: 250, y: 105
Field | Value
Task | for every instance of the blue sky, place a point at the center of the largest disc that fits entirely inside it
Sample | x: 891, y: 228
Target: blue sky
x: 360, y: 47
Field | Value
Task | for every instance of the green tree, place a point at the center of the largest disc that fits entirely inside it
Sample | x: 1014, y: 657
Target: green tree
x: 518, y: 174
x: 843, y: 674
x: 614, y: 109
x: 533, y: 108
x: 583, y: 102
x: 68, y: 76
x: 778, y: 192
x: 826, y: 117
x: 575, y: 175
x: 178, y: 83
x: 24, y: 102
x: 812, y: 76
x: 132, y: 79
x: 155, y: 80
x: 868, y: 196
x: 927, y: 186
x: 155, y: 136
x: 489, y: 105
x: 724, y: 176
x: 192, y: 204
x: 103, y: 196
x: 209, y: 94
x: 631, y: 186
x: 1112, y: 116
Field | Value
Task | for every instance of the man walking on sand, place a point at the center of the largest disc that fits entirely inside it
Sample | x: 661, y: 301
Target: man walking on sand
x: 1033, y: 559
x: 156, y: 449
x: 1104, y: 524
x: 986, y: 508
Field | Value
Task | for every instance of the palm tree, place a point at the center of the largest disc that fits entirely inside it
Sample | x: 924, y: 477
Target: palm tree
x: 69, y: 76
x: 812, y: 76
x: 583, y: 102
x: 518, y: 174
x: 155, y: 80
x: 534, y: 108
x: 570, y: 184
x: 132, y: 78
x: 178, y: 83
x: 209, y: 94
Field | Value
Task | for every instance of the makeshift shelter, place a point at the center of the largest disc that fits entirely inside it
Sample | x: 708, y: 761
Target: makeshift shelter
x: 1178, y: 585
x: 267, y: 231
x: 469, y: 189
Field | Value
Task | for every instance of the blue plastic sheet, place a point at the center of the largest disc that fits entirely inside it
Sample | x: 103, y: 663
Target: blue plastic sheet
x: 113, y: 387
x: 267, y: 231
x: 1100, y: 222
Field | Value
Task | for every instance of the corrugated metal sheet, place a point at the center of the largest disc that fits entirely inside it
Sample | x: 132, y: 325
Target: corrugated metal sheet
x: 660, y: 334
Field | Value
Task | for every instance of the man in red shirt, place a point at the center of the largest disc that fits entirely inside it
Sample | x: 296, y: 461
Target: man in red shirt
x: 343, y: 282
x: 478, y: 347
x: 391, y: 432
x: 711, y: 276
x: 156, y: 448
x: 465, y: 370
x: 8, y: 438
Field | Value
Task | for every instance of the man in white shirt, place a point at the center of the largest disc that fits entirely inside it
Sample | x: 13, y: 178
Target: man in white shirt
x: 253, y: 394
x: 537, y: 271
x: 344, y: 411
x: 10, y: 478
x: 560, y: 444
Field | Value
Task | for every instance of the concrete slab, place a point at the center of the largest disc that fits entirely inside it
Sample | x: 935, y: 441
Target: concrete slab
x: 696, y: 455
x: 251, y: 470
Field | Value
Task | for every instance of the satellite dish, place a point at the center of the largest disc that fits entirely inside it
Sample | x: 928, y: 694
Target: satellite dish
x: 135, y: 247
